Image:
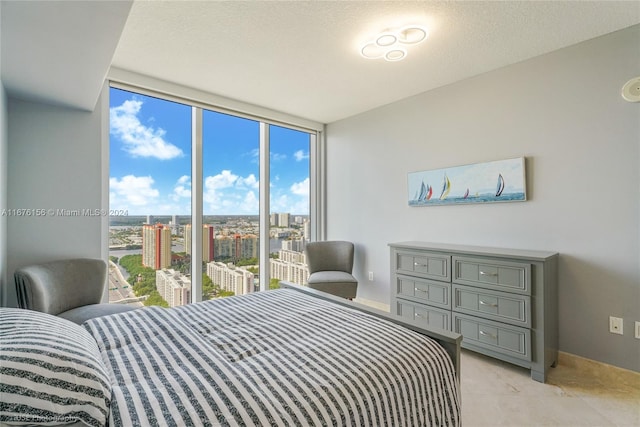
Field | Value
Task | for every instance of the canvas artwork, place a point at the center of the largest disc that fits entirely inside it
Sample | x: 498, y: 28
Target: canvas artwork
x: 497, y: 181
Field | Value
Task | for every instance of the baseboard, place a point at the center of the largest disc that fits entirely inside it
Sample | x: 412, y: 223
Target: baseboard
x: 589, y: 365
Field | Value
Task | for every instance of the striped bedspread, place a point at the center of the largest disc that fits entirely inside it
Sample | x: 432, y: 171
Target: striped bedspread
x: 276, y: 358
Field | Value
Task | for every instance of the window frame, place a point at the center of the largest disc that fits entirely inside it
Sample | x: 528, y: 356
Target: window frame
x: 200, y: 101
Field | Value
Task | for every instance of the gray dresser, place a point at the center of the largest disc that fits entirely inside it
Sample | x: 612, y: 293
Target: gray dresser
x: 504, y: 302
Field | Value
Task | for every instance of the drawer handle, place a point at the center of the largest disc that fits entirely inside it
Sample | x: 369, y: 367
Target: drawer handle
x: 417, y: 315
x: 484, y: 273
x: 490, y: 304
x: 421, y: 290
x: 487, y: 334
x: 417, y: 264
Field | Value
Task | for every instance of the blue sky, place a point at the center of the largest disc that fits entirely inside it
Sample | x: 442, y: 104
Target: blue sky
x: 150, y: 161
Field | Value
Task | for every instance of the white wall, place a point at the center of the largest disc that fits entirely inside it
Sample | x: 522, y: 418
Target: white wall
x: 3, y: 191
x: 3, y: 184
x: 55, y: 163
x: 564, y: 113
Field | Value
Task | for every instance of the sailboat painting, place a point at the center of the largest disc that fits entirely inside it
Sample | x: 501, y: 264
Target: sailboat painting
x: 497, y: 181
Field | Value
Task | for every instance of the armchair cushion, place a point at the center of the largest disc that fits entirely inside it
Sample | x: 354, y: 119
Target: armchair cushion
x: 71, y: 288
x: 85, y: 312
x: 331, y: 276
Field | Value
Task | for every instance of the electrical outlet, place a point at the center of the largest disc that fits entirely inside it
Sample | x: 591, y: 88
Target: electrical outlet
x: 638, y: 330
x: 371, y: 275
x: 615, y: 325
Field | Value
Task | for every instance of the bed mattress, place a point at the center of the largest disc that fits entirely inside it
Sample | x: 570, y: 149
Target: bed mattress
x: 272, y: 358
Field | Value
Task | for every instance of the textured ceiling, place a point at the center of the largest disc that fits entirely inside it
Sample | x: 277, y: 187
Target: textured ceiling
x: 302, y: 58
x: 297, y: 57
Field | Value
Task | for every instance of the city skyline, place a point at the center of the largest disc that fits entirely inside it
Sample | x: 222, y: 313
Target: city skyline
x: 150, y: 161
x: 182, y: 220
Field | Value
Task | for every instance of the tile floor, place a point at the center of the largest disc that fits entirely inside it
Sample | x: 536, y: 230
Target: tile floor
x: 578, y: 392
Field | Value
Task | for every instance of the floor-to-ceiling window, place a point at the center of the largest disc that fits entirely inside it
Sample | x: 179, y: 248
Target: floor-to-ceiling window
x: 230, y: 204
x: 290, y: 223
x: 200, y: 194
x: 149, y: 179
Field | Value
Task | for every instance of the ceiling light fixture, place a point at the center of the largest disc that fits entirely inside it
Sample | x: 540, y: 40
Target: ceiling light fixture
x: 395, y: 55
x: 389, y: 44
x: 412, y: 35
x: 386, y: 39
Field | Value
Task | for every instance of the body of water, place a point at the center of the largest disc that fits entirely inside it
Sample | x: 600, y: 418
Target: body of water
x: 482, y: 198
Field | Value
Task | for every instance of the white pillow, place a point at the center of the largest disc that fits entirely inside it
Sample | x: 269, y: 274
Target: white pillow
x: 51, y: 370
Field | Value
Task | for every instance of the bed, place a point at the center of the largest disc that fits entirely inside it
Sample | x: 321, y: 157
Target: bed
x: 286, y: 357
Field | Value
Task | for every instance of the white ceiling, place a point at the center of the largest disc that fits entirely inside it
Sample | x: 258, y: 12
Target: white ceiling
x: 59, y: 52
x: 297, y: 57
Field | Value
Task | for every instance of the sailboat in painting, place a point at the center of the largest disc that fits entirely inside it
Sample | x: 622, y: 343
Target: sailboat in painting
x: 499, y: 181
x: 500, y: 187
x: 425, y: 193
x: 446, y: 187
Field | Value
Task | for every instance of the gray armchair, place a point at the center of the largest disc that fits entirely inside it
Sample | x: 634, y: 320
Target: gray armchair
x: 71, y: 289
x: 330, y: 267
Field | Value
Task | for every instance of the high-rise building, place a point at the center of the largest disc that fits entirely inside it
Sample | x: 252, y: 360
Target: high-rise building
x: 248, y: 246
x: 296, y: 245
x: 208, y: 244
x: 306, y: 227
x: 174, y: 287
x: 292, y: 256
x: 231, y: 278
x: 208, y: 248
x: 224, y: 247
x: 290, y: 271
x: 174, y: 225
x: 235, y: 247
x: 156, y: 246
x: 284, y: 220
x: 280, y: 219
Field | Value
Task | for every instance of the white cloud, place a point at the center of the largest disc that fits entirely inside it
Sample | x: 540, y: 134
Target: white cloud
x: 250, y: 204
x: 300, y: 155
x: 299, y: 207
x: 132, y: 191
x: 224, y: 179
x: 182, y: 189
x: 249, y: 181
x: 277, y: 157
x: 140, y: 140
x: 254, y: 155
x: 227, y: 193
x: 300, y: 188
x: 214, y: 186
x: 137, y: 195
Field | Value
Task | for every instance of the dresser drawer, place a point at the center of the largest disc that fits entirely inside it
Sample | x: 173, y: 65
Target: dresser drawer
x: 426, y: 316
x: 506, y: 339
x: 424, y: 264
x: 422, y: 290
x: 493, y: 274
x: 500, y: 306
